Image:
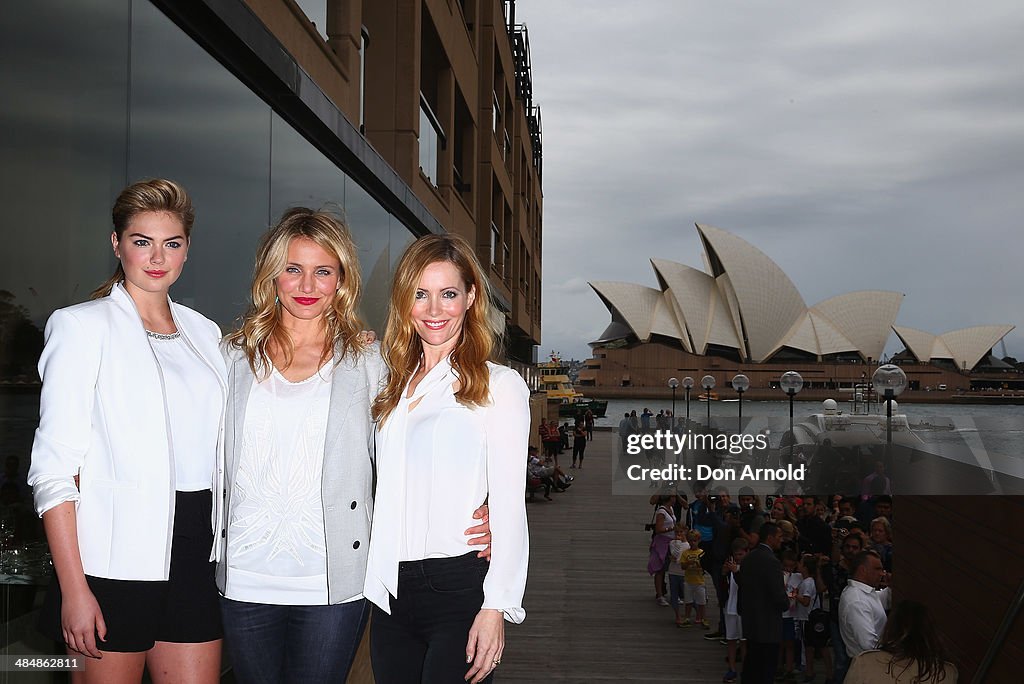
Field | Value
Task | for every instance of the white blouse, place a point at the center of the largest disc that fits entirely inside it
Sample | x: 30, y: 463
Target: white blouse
x: 194, y: 404
x: 277, y: 547
x: 436, y: 465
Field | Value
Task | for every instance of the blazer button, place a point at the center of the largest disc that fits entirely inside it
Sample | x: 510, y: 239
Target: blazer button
x: 355, y: 544
x: 353, y: 505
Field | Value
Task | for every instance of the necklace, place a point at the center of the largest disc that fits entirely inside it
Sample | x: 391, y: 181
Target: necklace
x: 163, y: 336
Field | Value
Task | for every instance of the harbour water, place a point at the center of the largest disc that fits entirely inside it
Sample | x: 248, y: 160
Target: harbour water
x: 990, y: 437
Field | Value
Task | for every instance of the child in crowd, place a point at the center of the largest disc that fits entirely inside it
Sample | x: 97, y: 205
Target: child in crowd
x: 733, y: 623
x: 792, y: 580
x: 694, y: 591
x: 814, y: 635
x: 676, y: 548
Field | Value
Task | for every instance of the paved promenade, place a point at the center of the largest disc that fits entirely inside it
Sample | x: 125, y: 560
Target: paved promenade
x: 591, y: 615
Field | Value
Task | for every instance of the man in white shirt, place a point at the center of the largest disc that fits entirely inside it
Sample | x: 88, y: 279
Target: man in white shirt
x: 862, y: 606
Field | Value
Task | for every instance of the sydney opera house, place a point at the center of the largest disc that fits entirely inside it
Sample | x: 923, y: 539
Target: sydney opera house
x: 743, y: 314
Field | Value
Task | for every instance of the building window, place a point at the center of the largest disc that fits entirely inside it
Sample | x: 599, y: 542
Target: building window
x: 364, y: 42
x: 496, y: 114
x: 432, y: 140
x: 495, y: 240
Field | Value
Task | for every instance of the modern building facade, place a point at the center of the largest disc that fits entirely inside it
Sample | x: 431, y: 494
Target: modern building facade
x: 406, y: 116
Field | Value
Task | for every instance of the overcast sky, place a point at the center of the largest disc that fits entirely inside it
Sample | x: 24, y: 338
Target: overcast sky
x: 869, y: 145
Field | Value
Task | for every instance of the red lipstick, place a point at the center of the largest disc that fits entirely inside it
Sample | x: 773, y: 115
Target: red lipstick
x: 306, y: 301
x: 156, y: 274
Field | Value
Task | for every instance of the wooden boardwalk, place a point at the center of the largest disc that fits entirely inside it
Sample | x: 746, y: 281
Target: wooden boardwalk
x: 591, y: 615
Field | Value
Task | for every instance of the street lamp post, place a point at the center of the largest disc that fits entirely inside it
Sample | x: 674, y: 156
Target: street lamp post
x: 708, y: 382
x: 791, y: 382
x: 891, y: 379
x: 740, y: 383
x: 673, y: 384
x: 687, y: 385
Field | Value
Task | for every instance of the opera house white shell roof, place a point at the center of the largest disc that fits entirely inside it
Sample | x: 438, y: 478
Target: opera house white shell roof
x: 745, y: 302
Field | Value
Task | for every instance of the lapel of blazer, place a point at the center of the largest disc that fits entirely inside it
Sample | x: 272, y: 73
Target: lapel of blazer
x: 345, y: 383
x: 240, y: 384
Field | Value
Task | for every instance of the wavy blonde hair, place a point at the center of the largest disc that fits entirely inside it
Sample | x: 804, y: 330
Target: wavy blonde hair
x: 157, y: 195
x: 261, y: 325
x: 401, y: 346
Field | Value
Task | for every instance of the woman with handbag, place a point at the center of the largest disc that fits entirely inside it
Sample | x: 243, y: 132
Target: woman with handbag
x: 661, y: 536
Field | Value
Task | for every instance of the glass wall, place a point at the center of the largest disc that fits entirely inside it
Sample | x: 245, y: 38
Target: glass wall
x: 96, y: 95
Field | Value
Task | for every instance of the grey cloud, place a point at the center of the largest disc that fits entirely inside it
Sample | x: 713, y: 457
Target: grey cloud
x: 859, y: 145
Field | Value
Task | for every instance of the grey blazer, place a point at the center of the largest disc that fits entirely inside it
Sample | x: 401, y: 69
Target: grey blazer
x: 348, y: 470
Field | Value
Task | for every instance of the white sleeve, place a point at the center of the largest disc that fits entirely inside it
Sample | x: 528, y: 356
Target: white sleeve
x: 856, y: 625
x: 507, y: 423
x: 69, y: 367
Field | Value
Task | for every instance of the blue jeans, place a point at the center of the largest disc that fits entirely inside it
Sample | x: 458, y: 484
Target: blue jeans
x: 424, y: 638
x: 271, y: 643
x: 840, y: 658
x: 675, y: 590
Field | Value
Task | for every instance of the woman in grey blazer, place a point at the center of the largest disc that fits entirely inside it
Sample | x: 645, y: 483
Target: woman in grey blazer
x: 298, y: 459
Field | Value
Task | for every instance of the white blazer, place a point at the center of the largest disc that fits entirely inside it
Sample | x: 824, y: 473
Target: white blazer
x: 103, y: 416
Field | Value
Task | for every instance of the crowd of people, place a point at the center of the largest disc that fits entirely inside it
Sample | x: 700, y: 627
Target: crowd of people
x: 802, y: 586
x: 543, y: 471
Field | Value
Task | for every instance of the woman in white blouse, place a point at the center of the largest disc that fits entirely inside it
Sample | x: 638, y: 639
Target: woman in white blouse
x: 452, y: 433
x: 125, y: 460
x: 299, y: 459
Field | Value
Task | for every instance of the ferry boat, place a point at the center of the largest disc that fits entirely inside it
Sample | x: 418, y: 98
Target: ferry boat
x: 555, y: 382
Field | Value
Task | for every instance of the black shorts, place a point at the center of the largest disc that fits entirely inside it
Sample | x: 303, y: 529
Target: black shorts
x: 184, y: 609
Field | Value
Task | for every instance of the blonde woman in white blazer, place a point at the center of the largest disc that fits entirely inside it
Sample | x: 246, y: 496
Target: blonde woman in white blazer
x: 125, y: 459
x: 452, y: 432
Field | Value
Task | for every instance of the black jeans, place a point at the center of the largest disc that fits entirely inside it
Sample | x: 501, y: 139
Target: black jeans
x: 579, y: 446
x: 424, y: 638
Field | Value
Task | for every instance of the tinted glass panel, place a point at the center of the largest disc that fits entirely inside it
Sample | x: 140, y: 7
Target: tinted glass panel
x: 197, y: 124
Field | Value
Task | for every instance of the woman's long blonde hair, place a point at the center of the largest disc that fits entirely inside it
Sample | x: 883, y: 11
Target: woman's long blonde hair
x: 156, y: 195
x: 261, y: 325
x: 401, y: 346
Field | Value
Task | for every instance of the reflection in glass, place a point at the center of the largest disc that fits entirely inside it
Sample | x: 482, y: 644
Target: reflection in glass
x: 62, y: 144
x: 194, y: 122
x: 300, y: 176
x: 369, y: 223
x: 431, y: 137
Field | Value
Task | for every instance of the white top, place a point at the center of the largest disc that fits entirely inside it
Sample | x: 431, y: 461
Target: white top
x: 806, y: 588
x: 194, y: 405
x: 277, y: 548
x: 675, y: 550
x: 436, y: 465
x: 731, y: 607
x: 792, y: 581
x: 862, y: 616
